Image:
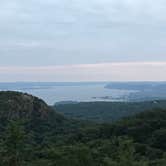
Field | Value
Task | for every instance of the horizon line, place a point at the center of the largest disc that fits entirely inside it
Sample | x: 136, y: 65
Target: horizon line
x: 97, y: 72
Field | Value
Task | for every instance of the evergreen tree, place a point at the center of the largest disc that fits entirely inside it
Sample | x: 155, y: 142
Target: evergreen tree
x: 14, y: 147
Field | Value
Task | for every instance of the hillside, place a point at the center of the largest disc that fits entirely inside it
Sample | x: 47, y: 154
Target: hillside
x: 33, y: 134
x: 107, y: 111
x: 35, y: 114
x: 14, y: 105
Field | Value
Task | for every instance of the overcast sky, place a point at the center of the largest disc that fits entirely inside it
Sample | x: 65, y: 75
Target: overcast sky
x: 48, y: 40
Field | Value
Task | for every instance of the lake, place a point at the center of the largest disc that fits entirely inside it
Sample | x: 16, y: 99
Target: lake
x: 56, y: 92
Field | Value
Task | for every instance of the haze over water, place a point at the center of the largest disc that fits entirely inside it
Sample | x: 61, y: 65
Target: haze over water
x: 77, y: 92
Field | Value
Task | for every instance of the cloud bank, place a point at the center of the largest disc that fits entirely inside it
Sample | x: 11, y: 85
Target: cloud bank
x: 129, y: 71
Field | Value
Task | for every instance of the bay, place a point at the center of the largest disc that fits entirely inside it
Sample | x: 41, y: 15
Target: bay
x: 57, y: 92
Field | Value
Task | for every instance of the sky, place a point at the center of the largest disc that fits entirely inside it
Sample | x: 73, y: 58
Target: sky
x: 82, y: 40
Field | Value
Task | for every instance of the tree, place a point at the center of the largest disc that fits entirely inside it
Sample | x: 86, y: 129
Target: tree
x: 14, y: 145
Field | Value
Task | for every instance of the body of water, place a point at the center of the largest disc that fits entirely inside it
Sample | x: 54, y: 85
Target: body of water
x: 53, y: 92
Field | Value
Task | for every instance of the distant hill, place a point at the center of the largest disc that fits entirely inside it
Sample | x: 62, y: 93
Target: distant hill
x: 66, y: 102
x: 107, y: 111
x: 142, y: 86
x: 141, y: 91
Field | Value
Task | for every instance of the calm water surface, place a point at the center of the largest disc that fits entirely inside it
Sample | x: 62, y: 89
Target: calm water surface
x: 52, y: 94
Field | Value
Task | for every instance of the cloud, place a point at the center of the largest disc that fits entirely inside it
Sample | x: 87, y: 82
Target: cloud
x: 81, y: 31
x: 129, y: 71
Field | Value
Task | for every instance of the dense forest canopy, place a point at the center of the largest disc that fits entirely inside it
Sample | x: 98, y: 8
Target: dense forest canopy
x: 106, y: 111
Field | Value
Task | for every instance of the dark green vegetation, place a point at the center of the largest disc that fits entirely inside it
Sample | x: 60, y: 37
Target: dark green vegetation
x: 33, y: 134
x: 107, y: 111
x: 34, y: 112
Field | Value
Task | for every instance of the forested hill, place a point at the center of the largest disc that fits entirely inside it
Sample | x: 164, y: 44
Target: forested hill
x: 34, y: 134
x: 15, y: 105
x: 37, y: 117
x: 107, y: 111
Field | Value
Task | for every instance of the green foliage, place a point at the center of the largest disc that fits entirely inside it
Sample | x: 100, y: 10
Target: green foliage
x: 106, y: 111
x: 32, y: 134
x: 14, y: 145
